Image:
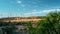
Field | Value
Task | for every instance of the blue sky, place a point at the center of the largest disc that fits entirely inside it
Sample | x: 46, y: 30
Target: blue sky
x: 24, y: 8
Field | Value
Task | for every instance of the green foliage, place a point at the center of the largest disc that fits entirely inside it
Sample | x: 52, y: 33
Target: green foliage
x: 48, y: 26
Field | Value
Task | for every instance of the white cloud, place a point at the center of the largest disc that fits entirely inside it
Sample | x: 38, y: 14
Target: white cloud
x: 19, y: 2
x: 41, y: 12
x: 34, y: 13
x: 51, y: 10
x: 34, y: 10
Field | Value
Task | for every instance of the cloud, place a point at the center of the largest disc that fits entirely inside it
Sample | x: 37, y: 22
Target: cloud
x: 51, y: 10
x: 35, y: 12
x: 19, y: 2
x: 39, y: 13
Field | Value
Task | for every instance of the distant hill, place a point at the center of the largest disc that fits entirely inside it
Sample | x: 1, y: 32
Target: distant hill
x: 21, y: 19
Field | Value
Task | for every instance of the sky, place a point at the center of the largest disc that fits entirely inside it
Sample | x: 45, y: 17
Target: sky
x: 25, y: 8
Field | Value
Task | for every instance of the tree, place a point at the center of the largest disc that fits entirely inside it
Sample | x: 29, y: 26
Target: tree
x: 48, y: 26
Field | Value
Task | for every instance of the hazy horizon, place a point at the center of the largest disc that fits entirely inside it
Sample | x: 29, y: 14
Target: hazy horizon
x: 26, y: 8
